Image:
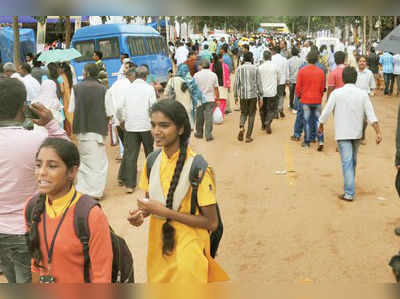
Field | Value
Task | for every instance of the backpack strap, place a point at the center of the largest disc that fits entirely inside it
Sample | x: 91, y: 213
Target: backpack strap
x: 81, y: 225
x: 151, y: 158
x: 196, y: 174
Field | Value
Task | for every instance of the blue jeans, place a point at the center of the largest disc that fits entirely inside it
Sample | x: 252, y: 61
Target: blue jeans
x: 312, y: 113
x: 15, y: 258
x: 348, y: 153
x: 299, y: 123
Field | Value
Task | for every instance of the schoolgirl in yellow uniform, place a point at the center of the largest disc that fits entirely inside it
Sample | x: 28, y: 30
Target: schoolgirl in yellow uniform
x: 179, y: 243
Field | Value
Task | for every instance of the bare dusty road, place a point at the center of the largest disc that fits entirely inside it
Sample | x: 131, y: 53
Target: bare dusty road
x: 290, y: 228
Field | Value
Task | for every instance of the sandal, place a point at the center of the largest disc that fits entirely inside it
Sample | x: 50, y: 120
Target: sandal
x: 241, y: 134
x: 249, y: 139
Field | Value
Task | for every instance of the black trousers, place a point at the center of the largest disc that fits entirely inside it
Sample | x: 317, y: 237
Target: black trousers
x: 268, y: 110
x: 120, y: 134
x: 292, y: 90
x: 128, y: 169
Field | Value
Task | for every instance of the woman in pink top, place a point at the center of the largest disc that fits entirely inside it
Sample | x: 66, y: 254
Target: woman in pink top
x: 221, y: 69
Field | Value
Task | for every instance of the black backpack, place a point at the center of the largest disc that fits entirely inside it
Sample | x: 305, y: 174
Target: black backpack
x: 122, y: 265
x: 195, y: 177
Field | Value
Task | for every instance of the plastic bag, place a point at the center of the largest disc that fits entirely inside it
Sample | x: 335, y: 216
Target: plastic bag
x: 218, y: 118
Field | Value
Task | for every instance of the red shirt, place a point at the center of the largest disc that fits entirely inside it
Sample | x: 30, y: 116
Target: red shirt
x: 335, y: 78
x: 310, y: 84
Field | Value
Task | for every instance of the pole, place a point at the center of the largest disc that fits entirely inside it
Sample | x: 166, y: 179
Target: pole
x: 379, y: 28
x: 364, y: 49
x: 308, y: 26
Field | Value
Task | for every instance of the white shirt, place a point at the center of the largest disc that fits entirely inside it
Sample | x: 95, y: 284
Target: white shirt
x: 207, y: 81
x: 115, y: 98
x: 281, y: 63
x: 32, y: 87
x: 137, y: 100
x: 17, y: 76
x: 48, y: 95
x: 349, y: 104
x: 181, y: 55
x: 269, y: 74
x: 365, y: 80
x: 304, y: 52
x: 396, y: 64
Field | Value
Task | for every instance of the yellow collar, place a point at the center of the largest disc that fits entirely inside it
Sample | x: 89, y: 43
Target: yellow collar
x: 58, y: 206
x: 175, y: 156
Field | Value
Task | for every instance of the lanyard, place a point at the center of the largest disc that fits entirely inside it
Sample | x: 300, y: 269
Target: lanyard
x: 50, y: 251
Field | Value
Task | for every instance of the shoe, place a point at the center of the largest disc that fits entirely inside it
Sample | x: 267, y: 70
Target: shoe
x: 304, y: 144
x: 294, y: 138
x: 313, y: 141
x: 282, y: 115
x: 320, y: 147
x: 228, y: 112
x: 129, y: 190
x: 236, y: 109
x: 120, y: 182
x: 240, y: 136
x: 343, y: 197
x: 249, y: 139
x: 294, y: 111
x: 268, y: 129
x: 210, y: 139
x: 198, y: 136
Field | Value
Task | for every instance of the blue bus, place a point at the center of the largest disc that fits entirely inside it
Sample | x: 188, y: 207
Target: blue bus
x: 143, y: 44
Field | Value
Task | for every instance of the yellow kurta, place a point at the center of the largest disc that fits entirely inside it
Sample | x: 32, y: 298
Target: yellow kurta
x: 190, y: 261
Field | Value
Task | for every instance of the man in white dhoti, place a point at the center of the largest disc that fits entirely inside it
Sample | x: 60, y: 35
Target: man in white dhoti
x: 90, y: 127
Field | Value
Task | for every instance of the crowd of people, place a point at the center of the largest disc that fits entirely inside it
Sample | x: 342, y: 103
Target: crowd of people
x: 44, y: 109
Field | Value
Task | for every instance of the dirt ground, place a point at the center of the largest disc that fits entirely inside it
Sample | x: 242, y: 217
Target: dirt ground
x: 289, y: 228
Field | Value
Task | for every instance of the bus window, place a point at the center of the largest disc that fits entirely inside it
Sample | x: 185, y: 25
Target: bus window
x: 109, y: 47
x: 151, y: 44
x: 86, y: 48
x: 137, y: 46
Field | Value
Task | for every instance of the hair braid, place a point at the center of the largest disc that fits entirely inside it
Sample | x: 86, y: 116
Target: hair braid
x: 34, y: 238
x: 168, y: 231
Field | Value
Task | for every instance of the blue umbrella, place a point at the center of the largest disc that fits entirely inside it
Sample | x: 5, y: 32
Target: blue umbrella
x: 59, y: 55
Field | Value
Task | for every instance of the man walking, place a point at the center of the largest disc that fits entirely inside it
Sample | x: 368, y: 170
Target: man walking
x: 90, y: 127
x: 18, y: 148
x: 269, y: 78
x: 208, y: 84
x: 396, y: 71
x: 248, y: 89
x: 349, y: 105
x: 386, y: 61
x: 281, y: 63
x: 310, y: 87
x: 138, y: 97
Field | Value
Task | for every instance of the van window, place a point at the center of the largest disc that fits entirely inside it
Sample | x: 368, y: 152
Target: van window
x: 137, y: 46
x: 109, y: 47
x: 86, y: 48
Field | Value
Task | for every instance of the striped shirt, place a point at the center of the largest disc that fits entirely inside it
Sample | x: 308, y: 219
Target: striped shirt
x: 386, y: 61
x: 247, y: 82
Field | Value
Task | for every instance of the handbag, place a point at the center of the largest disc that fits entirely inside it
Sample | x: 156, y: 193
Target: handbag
x: 171, y: 91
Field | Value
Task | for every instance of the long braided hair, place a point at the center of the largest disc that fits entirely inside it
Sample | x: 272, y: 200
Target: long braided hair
x: 176, y: 112
x: 69, y: 154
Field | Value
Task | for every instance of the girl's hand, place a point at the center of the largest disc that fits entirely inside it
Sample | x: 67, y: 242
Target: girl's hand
x: 135, y: 217
x: 153, y: 207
